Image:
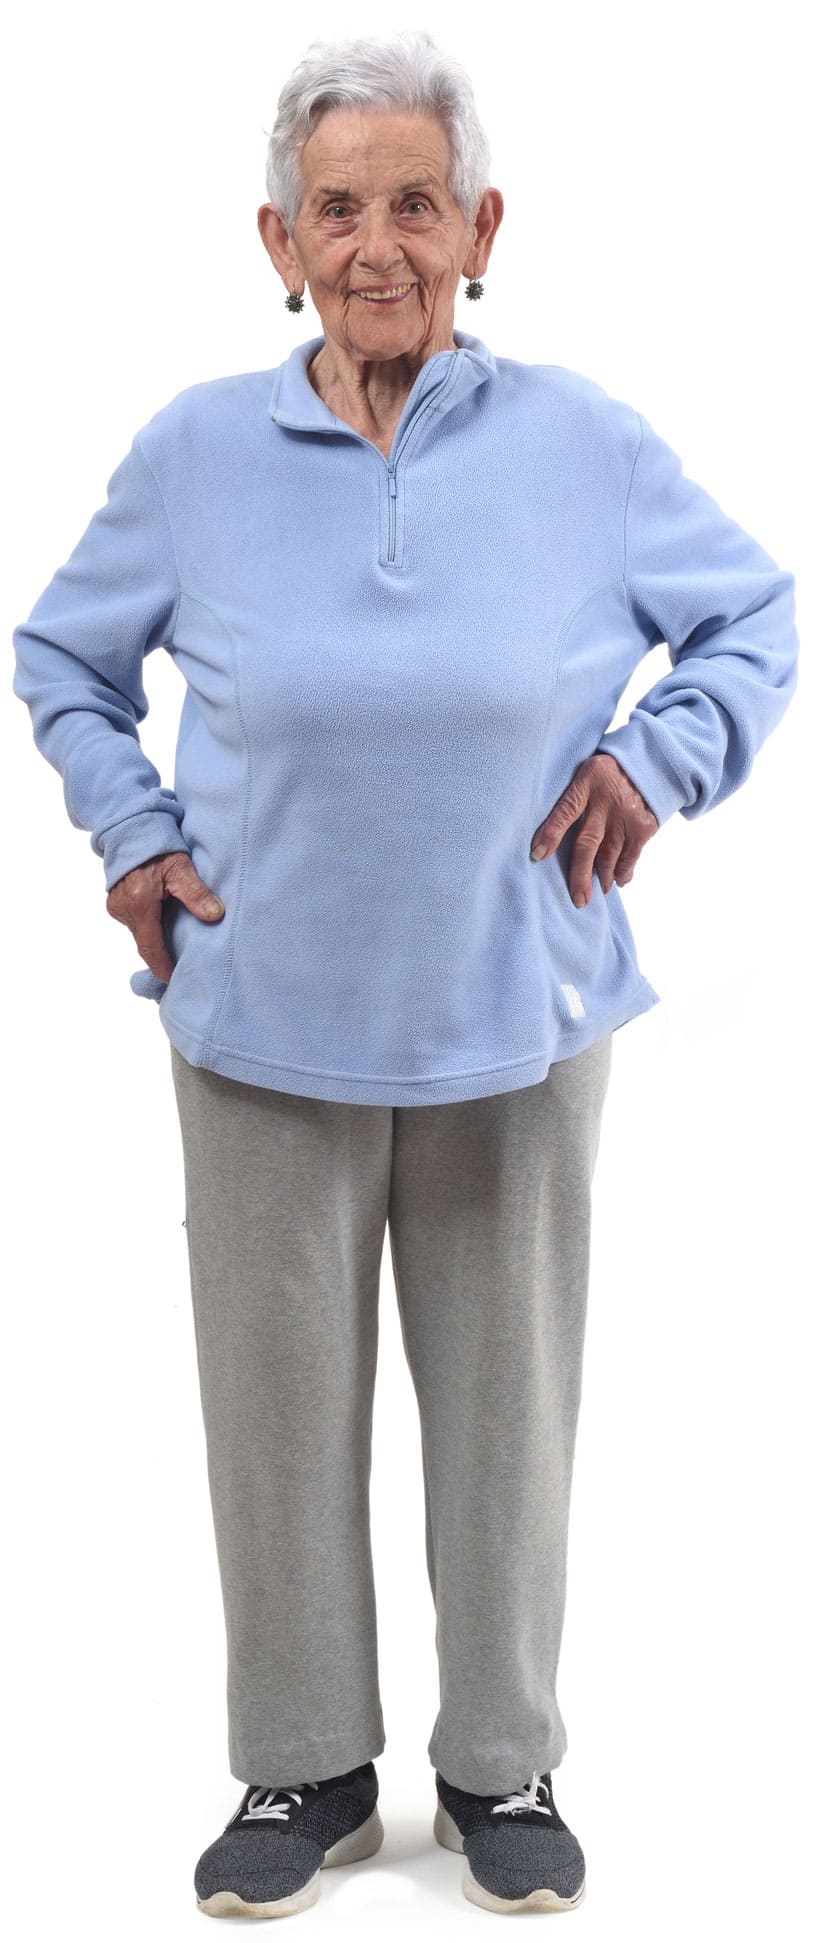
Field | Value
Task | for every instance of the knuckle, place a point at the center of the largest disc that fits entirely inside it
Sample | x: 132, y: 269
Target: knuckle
x: 574, y: 795
x: 177, y: 863
x: 587, y: 838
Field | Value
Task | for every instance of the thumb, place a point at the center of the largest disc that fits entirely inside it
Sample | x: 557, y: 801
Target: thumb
x: 183, y: 881
x: 209, y: 905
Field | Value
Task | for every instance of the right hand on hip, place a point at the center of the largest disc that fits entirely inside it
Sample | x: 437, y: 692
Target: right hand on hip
x: 136, y: 900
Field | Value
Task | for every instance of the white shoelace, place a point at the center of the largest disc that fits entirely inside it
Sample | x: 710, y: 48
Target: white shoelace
x: 526, y: 1798
x: 264, y: 1803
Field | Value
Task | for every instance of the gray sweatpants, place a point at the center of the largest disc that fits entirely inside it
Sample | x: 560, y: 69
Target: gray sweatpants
x: 488, y: 1205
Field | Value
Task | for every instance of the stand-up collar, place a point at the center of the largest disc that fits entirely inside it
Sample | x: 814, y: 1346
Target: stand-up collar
x: 295, y: 402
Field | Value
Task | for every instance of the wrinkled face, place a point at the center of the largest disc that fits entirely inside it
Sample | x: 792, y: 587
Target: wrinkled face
x: 375, y: 214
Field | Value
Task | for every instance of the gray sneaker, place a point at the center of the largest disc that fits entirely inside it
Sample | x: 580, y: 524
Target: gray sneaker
x: 268, y: 1860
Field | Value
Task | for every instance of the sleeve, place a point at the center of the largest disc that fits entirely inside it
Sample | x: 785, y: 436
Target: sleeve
x: 697, y: 581
x: 79, y: 670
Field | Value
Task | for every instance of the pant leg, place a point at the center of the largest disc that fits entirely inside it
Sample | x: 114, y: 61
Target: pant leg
x: 489, y: 1228
x: 286, y: 1214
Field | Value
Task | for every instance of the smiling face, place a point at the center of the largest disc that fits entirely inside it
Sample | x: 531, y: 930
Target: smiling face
x: 376, y: 217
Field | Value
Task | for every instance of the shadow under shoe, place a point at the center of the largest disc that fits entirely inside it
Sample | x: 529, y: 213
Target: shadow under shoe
x: 267, y: 1861
x: 519, y: 1854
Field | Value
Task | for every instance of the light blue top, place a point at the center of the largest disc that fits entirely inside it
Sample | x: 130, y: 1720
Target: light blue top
x: 392, y: 669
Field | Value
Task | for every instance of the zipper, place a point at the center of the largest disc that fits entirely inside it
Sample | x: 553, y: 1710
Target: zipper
x: 392, y: 464
x: 392, y: 511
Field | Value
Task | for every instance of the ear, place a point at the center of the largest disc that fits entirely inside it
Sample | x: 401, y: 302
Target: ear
x: 486, y: 223
x: 279, y: 245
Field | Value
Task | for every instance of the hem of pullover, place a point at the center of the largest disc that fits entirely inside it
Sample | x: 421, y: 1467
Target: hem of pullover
x: 430, y: 1090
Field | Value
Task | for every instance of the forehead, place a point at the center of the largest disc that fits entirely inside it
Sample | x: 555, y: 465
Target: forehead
x: 359, y: 148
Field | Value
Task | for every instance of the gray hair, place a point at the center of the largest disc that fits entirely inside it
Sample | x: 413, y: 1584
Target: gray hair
x: 407, y: 71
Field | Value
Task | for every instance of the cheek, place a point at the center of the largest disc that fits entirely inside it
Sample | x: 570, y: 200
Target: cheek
x: 441, y: 264
x: 431, y: 270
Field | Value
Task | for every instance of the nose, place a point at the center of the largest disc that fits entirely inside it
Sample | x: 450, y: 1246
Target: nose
x: 379, y: 246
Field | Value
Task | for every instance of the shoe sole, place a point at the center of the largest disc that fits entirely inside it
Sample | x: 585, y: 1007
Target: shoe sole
x: 449, y: 1837
x: 354, y: 1847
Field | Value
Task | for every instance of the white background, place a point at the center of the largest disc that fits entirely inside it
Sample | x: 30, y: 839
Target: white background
x: 653, y: 162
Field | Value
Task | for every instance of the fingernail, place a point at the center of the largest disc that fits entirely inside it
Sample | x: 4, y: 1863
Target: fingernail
x: 540, y: 851
x: 211, y: 906
x: 580, y: 898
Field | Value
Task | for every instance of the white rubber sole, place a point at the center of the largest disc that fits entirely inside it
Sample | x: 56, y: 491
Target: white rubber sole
x: 448, y: 1835
x: 362, y: 1841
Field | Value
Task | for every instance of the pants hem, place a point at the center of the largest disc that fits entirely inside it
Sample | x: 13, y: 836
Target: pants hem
x: 491, y: 1780
x: 309, y: 1761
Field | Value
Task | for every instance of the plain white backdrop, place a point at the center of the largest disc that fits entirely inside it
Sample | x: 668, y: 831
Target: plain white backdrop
x: 654, y: 163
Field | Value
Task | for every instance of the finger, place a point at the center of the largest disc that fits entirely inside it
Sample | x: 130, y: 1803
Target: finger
x: 570, y: 806
x: 632, y: 850
x: 633, y: 846
x: 629, y: 857
x: 150, y: 943
x: 588, y: 841
x: 607, y: 860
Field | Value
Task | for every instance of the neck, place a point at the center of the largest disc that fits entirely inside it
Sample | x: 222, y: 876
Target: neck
x: 367, y: 391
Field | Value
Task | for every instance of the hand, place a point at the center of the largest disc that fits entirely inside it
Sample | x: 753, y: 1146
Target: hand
x: 136, y: 900
x: 617, y: 824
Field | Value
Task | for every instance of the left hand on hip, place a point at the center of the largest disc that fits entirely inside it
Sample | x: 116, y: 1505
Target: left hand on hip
x: 617, y: 824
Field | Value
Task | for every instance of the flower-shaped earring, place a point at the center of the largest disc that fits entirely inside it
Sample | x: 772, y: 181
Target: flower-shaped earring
x: 293, y: 301
x: 474, y: 288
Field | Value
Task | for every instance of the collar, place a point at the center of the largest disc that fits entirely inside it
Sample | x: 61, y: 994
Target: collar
x: 295, y: 402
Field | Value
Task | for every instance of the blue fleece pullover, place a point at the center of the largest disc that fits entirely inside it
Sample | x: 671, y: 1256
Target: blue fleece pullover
x: 392, y: 668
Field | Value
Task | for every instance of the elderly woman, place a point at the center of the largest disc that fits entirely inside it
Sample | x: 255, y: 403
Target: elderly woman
x: 406, y: 581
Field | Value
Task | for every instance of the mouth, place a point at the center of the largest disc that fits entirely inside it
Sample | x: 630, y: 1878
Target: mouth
x: 390, y: 294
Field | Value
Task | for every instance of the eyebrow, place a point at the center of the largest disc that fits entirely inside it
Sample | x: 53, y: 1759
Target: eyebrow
x: 403, y: 190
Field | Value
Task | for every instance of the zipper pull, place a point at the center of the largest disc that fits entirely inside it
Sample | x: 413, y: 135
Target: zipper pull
x: 392, y: 484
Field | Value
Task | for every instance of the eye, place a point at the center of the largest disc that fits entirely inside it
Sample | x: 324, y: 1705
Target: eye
x: 417, y: 202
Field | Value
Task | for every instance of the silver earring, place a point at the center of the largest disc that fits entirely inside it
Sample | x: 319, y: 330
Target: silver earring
x: 474, y: 288
x: 293, y: 301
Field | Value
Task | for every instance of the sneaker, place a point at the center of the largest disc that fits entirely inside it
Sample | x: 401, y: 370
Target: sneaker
x: 519, y: 1853
x: 268, y: 1860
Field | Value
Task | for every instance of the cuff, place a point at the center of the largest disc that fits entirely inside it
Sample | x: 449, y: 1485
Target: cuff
x: 150, y: 833
x: 634, y: 745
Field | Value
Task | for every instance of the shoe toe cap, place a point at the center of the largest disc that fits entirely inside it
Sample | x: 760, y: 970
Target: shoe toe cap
x: 258, y: 1868
x: 513, y: 1862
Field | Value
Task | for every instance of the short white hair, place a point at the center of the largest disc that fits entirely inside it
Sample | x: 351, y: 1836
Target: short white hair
x: 406, y: 71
